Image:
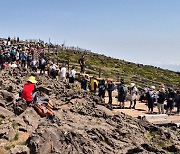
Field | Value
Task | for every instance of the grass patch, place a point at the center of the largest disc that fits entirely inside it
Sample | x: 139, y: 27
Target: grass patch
x: 16, y: 137
x: 14, y: 124
x: 9, y: 147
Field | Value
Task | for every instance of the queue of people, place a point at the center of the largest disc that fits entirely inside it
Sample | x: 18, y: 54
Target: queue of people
x: 20, y: 55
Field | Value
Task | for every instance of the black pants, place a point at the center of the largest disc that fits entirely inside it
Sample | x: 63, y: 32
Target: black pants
x: 178, y: 107
x: 131, y: 102
x: 71, y: 79
x: 53, y: 74
x: 101, y: 94
x: 82, y: 68
x: 110, y: 97
x: 23, y: 63
x: 150, y: 106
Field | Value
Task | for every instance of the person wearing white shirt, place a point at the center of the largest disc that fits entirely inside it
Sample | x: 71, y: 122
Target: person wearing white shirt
x: 62, y: 74
x: 53, y: 70
x: 33, y: 65
x: 72, y: 74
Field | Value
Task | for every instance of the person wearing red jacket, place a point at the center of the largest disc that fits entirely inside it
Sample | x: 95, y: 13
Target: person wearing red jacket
x: 28, y: 92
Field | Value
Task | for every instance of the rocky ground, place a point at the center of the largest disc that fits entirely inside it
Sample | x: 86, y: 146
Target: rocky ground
x: 87, y: 125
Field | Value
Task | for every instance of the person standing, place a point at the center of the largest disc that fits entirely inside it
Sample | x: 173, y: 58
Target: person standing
x: 133, y: 95
x: 62, y: 73
x: 122, y: 91
x: 53, y: 70
x: 177, y: 100
x: 102, y: 89
x: 72, y: 74
x: 151, y: 98
x: 42, y: 65
x: 160, y: 100
x: 23, y: 59
x: 1, y: 59
x: 82, y: 64
x: 34, y: 65
x: 93, y: 84
x: 110, y: 88
x: 170, y: 100
x: 84, y: 82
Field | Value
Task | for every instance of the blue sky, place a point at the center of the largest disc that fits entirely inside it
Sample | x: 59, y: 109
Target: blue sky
x: 142, y: 31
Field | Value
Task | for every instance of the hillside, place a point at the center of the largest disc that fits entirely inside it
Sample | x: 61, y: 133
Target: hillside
x: 87, y: 126
x: 143, y: 75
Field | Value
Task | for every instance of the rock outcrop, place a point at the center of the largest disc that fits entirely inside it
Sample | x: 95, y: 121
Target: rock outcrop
x: 87, y: 126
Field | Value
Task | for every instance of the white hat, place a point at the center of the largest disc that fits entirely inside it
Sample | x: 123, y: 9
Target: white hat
x: 153, y: 87
x: 132, y: 84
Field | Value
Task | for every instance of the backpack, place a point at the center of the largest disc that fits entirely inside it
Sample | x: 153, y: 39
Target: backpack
x: 44, y: 108
x: 102, y: 88
x: 151, y: 96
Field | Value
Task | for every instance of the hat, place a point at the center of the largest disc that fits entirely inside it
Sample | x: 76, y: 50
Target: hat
x: 132, y: 84
x: 110, y: 79
x: 153, y: 87
x: 32, y: 79
x: 122, y: 81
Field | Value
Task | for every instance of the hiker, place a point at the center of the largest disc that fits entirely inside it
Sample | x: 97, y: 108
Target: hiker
x: 102, y: 89
x: 133, y: 95
x: 1, y: 60
x: 122, y: 91
x: 23, y: 59
x: 53, y: 70
x: 82, y: 64
x: 62, y: 73
x: 84, y: 82
x: 93, y: 84
x: 29, y: 90
x: 161, y: 96
x: 34, y: 65
x: 110, y: 88
x: 12, y: 54
x: 72, y: 74
x: 151, y: 98
x: 177, y: 100
x: 29, y: 59
x: 170, y: 100
x: 17, y: 55
x: 42, y: 65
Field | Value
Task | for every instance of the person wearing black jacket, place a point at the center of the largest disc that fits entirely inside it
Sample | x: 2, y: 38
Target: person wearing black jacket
x: 170, y: 100
x: 102, y: 89
x: 160, y: 100
x: 110, y: 87
x: 177, y: 100
x: 1, y: 60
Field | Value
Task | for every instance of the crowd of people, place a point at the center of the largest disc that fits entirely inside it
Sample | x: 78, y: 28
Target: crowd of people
x: 14, y: 54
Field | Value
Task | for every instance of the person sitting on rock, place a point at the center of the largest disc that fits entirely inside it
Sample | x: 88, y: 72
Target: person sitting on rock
x: 29, y: 90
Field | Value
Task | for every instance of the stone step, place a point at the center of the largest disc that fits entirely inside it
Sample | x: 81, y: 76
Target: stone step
x: 152, y: 116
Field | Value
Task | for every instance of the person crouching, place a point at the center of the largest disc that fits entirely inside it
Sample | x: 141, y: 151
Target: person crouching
x: 29, y: 90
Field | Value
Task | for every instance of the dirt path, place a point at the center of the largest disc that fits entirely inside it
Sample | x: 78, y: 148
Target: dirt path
x: 142, y: 110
